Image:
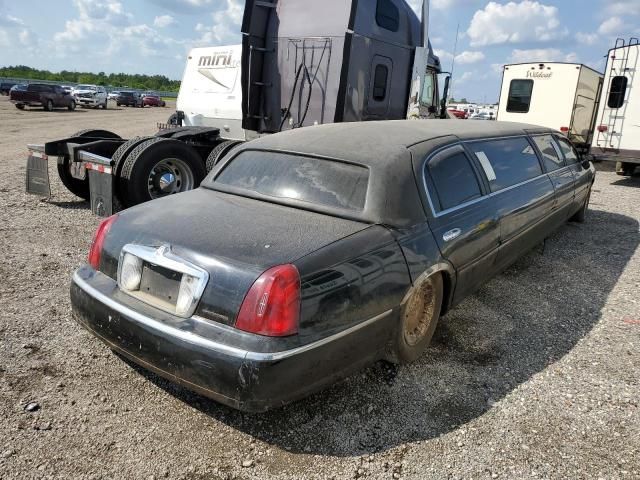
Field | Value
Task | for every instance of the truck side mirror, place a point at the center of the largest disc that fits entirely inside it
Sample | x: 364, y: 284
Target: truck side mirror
x: 445, y: 96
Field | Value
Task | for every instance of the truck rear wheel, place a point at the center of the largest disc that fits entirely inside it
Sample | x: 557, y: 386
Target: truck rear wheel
x: 49, y: 105
x: 157, y: 168
x: 219, y: 152
x: 173, y: 119
x: 79, y: 188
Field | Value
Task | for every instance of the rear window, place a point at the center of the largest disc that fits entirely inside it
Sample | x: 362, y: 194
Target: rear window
x: 519, y: 96
x: 454, y: 179
x: 507, y: 161
x: 311, y: 180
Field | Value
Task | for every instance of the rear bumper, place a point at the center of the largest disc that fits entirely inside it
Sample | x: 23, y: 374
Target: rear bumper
x: 214, y: 359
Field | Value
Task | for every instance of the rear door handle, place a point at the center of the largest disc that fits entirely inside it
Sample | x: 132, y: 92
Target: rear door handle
x: 451, y: 234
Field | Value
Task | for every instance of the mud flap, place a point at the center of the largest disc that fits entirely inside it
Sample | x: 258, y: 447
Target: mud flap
x: 101, y: 190
x: 38, y: 174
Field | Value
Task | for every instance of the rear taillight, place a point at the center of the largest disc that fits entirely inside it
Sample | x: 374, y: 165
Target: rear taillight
x: 564, y: 129
x: 95, y: 252
x: 602, y: 128
x: 272, y: 306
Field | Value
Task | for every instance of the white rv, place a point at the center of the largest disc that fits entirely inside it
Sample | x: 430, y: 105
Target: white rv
x: 563, y: 96
x: 211, y: 91
x: 617, y: 136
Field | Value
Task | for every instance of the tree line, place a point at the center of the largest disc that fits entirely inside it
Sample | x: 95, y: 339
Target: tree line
x: 142, y: 82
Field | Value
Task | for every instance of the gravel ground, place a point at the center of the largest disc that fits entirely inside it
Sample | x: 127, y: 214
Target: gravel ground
x: 535, y: 376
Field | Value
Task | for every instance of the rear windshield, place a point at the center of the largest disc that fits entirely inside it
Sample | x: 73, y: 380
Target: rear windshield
x: 310, y: 180
x: 126, y: 94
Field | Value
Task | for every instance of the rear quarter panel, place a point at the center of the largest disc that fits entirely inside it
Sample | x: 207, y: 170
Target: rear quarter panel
x: 351, y: 281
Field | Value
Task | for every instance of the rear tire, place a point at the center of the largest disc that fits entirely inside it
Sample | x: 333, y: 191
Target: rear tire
x: 144, y: 170
x: 19, y: 106
x: 173, y: 119
x: 49, y: 106
x: 72, y: 106
x: 418, y: 320
x: 219, y: 152
x: 79, y: 188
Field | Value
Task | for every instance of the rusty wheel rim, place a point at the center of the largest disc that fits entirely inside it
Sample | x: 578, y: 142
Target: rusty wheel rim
x: 418, y: 313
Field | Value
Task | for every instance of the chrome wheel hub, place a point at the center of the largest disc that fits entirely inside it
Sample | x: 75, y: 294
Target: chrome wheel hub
x: 169, y: 176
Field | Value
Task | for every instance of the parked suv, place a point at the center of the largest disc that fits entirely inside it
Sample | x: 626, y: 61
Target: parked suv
x: 42, y: 95
x: 90, y: 96
x: 129, y: 99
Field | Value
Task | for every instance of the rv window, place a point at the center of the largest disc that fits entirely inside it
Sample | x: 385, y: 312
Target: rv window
x: 388, y: 15
x: 519, y: 96
x: 617, y: 92
x: 380, y: 83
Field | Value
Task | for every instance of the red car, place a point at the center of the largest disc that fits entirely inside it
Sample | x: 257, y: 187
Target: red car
x: 458, y: 113
x: 152, y: 101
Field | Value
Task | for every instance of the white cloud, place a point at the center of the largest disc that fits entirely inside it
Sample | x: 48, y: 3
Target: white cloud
x: 623, y: 7
x: 187, y: 6
x: 587, y: 38
x: 13, y: 29
x: 526, y: 21
x: 440, y: 4
x: 467, y: 57
x: 443, y: 54
x: 542, y: 55
x: 225, y: 28
x: 611, y: 26
x: 163, y: 21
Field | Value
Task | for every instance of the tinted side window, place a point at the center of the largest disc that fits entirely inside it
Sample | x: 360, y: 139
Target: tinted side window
x: 507, y: 161
x: 617, y: 92
x: 454, y: 179
x: 550, y: 154
x: 570, y: 154
x: 380, y: 83
x: 519, y: 96
x: 388, y: 15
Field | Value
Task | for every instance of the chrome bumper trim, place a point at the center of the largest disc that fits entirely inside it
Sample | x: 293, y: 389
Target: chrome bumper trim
x: 210, y: 344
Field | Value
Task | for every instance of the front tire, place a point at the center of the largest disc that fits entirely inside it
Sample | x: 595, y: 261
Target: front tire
x: 157, y: 168
x: 581, y: 215
x: 418, y: 320
x: 49, y: 105
x: 19, y: 106
x: 72, y: 106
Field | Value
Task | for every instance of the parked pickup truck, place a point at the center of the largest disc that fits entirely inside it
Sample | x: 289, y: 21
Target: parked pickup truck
x: 42, y: 95
x: 90, y: 96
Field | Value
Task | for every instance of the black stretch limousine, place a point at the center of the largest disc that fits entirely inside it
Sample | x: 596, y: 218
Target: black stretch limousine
x: 309, y: 254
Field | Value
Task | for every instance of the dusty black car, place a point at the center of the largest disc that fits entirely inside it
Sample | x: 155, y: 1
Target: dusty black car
x: 41, y: 95
x: 309, y: 254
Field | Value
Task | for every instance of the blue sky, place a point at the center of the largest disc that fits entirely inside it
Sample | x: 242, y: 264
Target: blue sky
x: 153, y: 36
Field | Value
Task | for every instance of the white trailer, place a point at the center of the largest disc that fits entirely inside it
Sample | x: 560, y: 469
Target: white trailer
x: 617, y: 136
x: 211, y: 90
x: 563, y: 96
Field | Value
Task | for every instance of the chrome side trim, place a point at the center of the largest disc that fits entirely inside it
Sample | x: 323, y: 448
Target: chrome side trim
x: 199, y: 341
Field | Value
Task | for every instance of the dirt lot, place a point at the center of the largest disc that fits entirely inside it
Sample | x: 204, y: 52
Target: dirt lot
x: 535, y: 376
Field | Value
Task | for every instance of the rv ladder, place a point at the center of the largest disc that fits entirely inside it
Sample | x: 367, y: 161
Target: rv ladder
x: 619, y: 68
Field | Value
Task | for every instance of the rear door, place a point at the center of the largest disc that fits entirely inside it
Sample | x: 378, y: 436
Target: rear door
x: 465, y: 223
x: 523, y: 194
